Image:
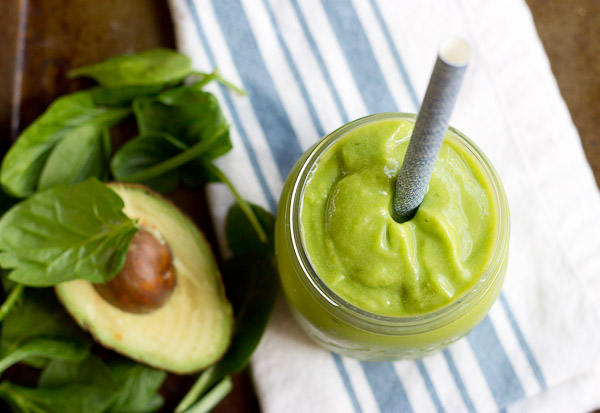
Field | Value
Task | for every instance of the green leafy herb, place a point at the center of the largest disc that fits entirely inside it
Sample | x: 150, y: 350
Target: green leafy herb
x: 144, y: 152
x: 74, y: 398
x: 187, y: 113
x: 124, y: 95
x: 252, y: 283
x: 242, y: 238
x: 18, y: 400
x: 182, y: 130
x: 77, y: 157
x: 66, y: 233
x: 145, y: 172
x: 90, y: 370
x: 66, y: 387
x: 128, y: 387
x: 139, y: 386
x: 70, y: 116
x: 37, y: 324
x: 45, y: 348
x: 150, y: 67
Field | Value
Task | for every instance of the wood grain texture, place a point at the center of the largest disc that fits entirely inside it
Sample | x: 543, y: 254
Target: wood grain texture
x: 9, y: 44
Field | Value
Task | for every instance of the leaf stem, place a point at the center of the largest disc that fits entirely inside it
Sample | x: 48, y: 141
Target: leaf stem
x: 11, y: 300
x: 213, y: 397
x: 203, y: 382
x: 246, y: 209
x: 230, y: 85
x: 174, y: 162
x: 216, y: 75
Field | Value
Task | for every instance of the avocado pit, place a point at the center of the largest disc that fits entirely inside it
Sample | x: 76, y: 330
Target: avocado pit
x: 148, y: 277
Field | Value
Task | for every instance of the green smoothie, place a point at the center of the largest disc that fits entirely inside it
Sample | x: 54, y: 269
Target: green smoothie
x: 380, y: 265
x: 363, y: 285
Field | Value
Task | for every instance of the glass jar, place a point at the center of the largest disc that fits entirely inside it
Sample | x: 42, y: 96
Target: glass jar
x: 348, y: 330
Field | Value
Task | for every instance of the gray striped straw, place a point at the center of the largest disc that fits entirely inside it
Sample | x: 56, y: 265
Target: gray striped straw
x: 430, y: 127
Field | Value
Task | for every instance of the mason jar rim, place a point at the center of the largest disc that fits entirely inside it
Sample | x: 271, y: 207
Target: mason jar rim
x: 409, y: 324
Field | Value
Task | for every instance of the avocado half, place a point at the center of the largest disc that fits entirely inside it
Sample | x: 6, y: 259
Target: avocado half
x: 192, y: 329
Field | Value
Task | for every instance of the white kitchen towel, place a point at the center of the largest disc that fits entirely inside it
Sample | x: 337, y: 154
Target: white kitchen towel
x: 310, y: 66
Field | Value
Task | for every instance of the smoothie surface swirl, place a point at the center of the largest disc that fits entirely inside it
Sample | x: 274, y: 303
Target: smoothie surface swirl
x: 379, y: 265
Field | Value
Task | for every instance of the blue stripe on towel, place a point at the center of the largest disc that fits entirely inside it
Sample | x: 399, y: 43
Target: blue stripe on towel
x: 430, y: 386
x: 387, y: 388
x: 458, y: 380
x: 396, y: 54
x: 339, y: 364
x: 523, y: 343
x: 495, y: 365
x: 320, y: 61
x: 236, y: 119
x: 294, y: 69
x: 356, y: 48
x: 261, y: 91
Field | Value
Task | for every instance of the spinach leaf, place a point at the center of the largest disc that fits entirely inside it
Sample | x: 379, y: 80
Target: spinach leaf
x: 188, y: 114
x: 39, y: 329
x: 66, y: 387
x: 142, y: 170
x: 251, y: 283
x: 91, y: 370
x: 23, y: 164
x: 150, y: 67
x: 124, y: 95
x: 17, y: 400
x: 78, y: 156
x: 130, y: 387
x: 144, y: 152
x: 39, y: 315
x: 66, y: 233
x: 45, y: 348
x: 72, y: 398
x: 243, y: 238
x: 139, y: 387
x: 198, y: 172
x: 181, y: 130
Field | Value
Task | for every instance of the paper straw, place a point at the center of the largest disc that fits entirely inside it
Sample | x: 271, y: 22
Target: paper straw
x: 430, y: 128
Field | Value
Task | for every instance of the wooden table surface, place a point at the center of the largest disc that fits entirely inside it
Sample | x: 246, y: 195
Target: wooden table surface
x: 42, y: 39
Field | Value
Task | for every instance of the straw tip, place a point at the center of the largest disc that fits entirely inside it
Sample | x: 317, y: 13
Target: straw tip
x: 455, y: 51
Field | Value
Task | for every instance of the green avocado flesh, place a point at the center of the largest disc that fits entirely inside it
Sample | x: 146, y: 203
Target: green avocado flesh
x: 192, y: 329
x: 379, y: 265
